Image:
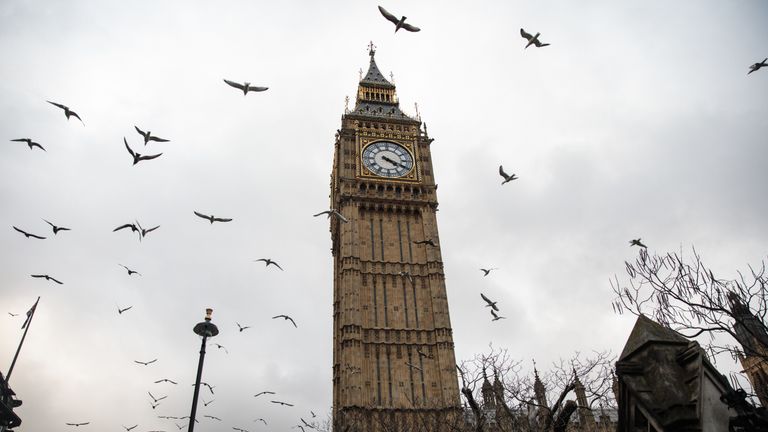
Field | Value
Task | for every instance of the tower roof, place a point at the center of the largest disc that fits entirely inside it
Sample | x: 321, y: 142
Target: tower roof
x: 374, y: 75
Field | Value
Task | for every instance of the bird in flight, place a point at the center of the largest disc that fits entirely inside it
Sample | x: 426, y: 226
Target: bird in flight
x: 77, y: 424
x: 491, y: 304
x: 143, y: 231
x: 286, y: 317
x: 532, y: 40
x: 148, y: 136
x: 221, y: 347
x: 398, y: 22
x: 130, y: 272
x: 12, y: 314
x: 156, y: 399
x: 212, y: 417
x: 423, y: 354
x: 133, y: 228
x: 313, y: 414
x: 300, y: 427
x: 212, y: 219
x: 752, y: 68
x: 67, y: 112
x: 333, y: 212
x: 138, y: 157
x: 180, y: 427
x: 145, y: 363
x: 129, y: 429
x: 406, y: 274
x: 428, y: 242
x: 238, y: 429
x: 28, y: 235
x: 46, y: 277
x: 56, y: 229
x: 208, y: 403
x: 412, y: 366
x: 120, y: 311
x: 507, y: 178
x: 637, y: 242
x: 268, y: 262
x: 30, y: 143
x: 245, y: 87
x: 242, y: 327
x: 496, y: 317
x: 281, y: 403
x: 261, y: 420
x: 210, y: 387
x: 154, y: 405
x: 264, y: 392
x: 165, y: 380
x: 487, y: 271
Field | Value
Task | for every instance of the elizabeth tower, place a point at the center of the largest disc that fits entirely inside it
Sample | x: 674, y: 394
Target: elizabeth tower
x: 393, y: 359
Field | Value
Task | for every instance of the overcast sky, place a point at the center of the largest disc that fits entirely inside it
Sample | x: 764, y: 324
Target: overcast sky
x: 638, y: 121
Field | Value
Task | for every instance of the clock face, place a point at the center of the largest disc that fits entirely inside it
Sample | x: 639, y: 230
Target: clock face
x: 387, y: 159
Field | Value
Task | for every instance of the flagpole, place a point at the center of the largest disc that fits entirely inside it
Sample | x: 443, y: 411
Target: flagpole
x: 28, y: 324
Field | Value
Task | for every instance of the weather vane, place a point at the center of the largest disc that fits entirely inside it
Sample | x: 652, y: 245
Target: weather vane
x: 371, y: 49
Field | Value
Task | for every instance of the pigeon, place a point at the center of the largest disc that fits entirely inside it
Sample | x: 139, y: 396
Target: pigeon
x: 487, y: 271
x: 148, y: 136
x: 67, y: 112
x: 428, y: 242
x: 333, y: 212
x: 56, y: 229
x: 242, y: 327
x: 212, y: 219
x: 28, y: 235
x: 268, y: 262
x: 46, y: 277
x: 491, y: 304
x: 130, y: 272
x: 496, y: 317
x: 77, y: 424
x: 138, y: 157
x: 264, y: 392
x: 637, y: 242
x: 398, y: 22
x: 286, y: 317
x: 507, y: 178
x: 145, y: 363
x: 165, y: 380
x: 30, y: 143
x: 281, y: 403
x: 532, y: 40
x: 245, y: 87
x: 752, y: 68
x: 120, y: 311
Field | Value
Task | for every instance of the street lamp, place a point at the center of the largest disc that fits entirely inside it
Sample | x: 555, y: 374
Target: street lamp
x: 205, y: 329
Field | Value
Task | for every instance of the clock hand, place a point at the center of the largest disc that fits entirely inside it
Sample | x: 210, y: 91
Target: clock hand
x: 389, y: 160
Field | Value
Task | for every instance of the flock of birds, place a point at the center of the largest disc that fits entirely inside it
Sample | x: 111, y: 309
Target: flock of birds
x: 141, y: 232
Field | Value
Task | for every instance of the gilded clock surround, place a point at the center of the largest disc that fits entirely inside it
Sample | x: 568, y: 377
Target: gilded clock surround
x: 411, y: 177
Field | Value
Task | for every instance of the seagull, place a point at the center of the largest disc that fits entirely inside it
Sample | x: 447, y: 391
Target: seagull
x: 637, y: 242
x: 412, y: 366
x: 532, y: 40
x: 261, y: 420
x: 131, y: 226
x: 507, y: 178
x: 268, y: 262
x: 406, y: 275
x: 130, y: 272
x: 264, y: 392
x: 180, y: 427
x: 496, y: 317
x: 300, y: 427
x: 56, y: 229
x: 28, y: 235
x: 120, y: 311
x: 165, y: 380
x: 156, y: 399
x: 143, y: 231
x: 752, y: 68
x: 491, y: 304
x: 46, y: 277
x: 77, y: 424
x: 208, y: 403
x: 67, y: 112
x: 128, y: 429
x: 212, y: 219
x: 148, y: 136
x: 145, y: 363
x: 423, y: 354
x: 210, y: 387
x: 12, y: 314
x: 245, y: 87
x: 154, y: 405
x: 241, y: 327
x: 286, y: 317
x: 221, y: 347
x: 239, y: 430
x: 399, y: 23
x: 486, y: 271
x: 138, y: 157
x: 333, y: 212
x: 212, y: 417
x: 428, y: 242
x: 33, y: 144
x: 281, y: 403
x: 306, y: 424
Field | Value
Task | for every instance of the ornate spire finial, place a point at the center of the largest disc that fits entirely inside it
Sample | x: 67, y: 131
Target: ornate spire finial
x: 535, y: 372
x: 360, y: 73
x: 346, y: 104
x: 418, y: 116
x: 391, y: 77
x: 371, y: 49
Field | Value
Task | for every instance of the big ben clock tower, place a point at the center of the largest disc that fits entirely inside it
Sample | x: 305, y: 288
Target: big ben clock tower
x: 393, y: 359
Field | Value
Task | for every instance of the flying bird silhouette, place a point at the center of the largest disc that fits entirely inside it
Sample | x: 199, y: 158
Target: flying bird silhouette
x: 148, y: 136
x: 156, y: 399
x: 281, y: 403
x: 637, y: 242
x: 491, y: 304
x: 264, y: 392
x: 242, y: 327
x: 333, y: 212
x: 268, y: 262
x: 221, y: 347
x: 212, y: 417
x: 261, y: 420
x: 406, y: 274
x: 120, y: 311
x: 30, y: 143
x: 145, y: 363
x: 133, y: 228
x: 12, y: 314
x: 423, y: 354
x: 300, y: 427
x: 306, y: 424
x: 487, y: 271
x: 752, y: 68
x: 130, y: 272
x: 496, y: 317
x: 210, y: 387
x: 238, y: 429
x: 212, y: 219
x: 165, y: 380
x: 313, y: 414
x: 154, y: 405
x: 208, y: 403
x: 67, y: 112
x: 398, y: 22
x: 77, y: 424
x: 532, y: 40
x: 138, y: 157
x: 56, y: 229
x: 143, y: 231
x: 28, y: 235
x: 48, y: 278
x: 245, y: 87
x: 286, y: 317
x: 428, y: 242
x: 507, y: 178
x: 129, y: 429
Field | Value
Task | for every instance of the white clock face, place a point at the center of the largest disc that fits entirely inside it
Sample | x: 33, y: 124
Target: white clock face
x: 387, y: 159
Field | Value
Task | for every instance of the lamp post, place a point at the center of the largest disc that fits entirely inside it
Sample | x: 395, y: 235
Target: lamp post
x: 205, y: 329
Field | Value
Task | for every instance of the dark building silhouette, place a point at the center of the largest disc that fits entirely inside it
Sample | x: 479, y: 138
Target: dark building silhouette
x: 8, y: 401
x: 751, y: 334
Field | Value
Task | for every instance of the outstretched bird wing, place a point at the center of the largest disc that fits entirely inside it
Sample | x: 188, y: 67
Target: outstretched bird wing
x: 58, y: 105
x: 202, y: 216
x: 158, y: 139
x: 222, y: 219
x: 235, y: 85
x: 257, y: 88
x: 487, y: 300
x: 322, y: 213
x: 148, y: 157
x: 409, y: 27
x: 127, y: 147
x: 525, y: 35
x: 391, y: 18
x: 132, y: 226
